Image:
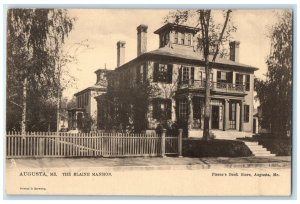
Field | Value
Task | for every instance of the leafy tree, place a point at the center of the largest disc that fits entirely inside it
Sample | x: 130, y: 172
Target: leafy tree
x: 274, y: 93
x: 34, y: 38
x: 211, y: 40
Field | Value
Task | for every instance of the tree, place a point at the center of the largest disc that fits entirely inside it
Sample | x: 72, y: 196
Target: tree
x: 211, y: 39
x: 34, y: 37
x: 274, y: 93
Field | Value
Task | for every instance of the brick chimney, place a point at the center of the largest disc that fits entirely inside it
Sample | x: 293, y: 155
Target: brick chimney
x: 120, y: 53
x: 141, y: 39
x: 234, y: 51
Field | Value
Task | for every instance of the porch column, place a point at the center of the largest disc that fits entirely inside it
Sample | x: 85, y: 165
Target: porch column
x: 242, y: 115
x: 226, y: 115
x: 191, y: 116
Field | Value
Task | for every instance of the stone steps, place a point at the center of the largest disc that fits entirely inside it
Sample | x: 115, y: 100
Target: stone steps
x: 258, y: 150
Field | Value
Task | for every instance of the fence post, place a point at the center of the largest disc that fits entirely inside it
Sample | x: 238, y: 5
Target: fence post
x: 163, y: 143
x: 180, y: 143
x: 41, y: 144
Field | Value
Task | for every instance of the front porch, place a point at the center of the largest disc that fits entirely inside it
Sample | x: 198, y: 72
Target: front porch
x: 227, y: 115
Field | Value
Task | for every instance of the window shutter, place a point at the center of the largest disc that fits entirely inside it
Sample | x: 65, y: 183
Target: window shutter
x: 218, y: 75
x: 229, y: 77
x: 247, y: 82
x: 169, y: 108
x: 145, y: 72
x: 180, y: 75
x: 155, y: 108
x: 155, y: 72
x: 170, y: 73
x: 192, y: 74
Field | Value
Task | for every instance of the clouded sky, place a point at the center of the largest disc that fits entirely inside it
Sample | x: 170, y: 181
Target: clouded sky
x: 103, y: 28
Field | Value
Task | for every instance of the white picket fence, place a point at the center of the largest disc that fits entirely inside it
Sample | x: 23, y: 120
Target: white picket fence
x: 53, y: 144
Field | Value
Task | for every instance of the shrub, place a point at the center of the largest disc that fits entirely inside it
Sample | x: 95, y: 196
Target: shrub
x: 215, y: 148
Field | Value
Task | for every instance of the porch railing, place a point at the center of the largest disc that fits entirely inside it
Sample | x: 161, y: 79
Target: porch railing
x: 215, y: 86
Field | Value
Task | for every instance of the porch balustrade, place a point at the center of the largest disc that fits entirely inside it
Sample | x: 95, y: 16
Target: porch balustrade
x: 215, y: 86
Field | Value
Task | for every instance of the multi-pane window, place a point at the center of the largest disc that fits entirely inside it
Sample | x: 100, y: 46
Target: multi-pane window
x: 238, y: 79
x: 224, y: 77
x: 247, y: 83
x: 232, y: 115
x: 246, y: 113
x: 185, y: 74
x: 162, y: 108
x: 183, y: 110
x: 162, y: 73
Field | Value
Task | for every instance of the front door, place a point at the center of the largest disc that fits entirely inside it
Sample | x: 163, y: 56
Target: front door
x: 215, y: 117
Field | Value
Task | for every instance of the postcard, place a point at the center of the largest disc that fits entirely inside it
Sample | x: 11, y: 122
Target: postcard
x: 149, y: 102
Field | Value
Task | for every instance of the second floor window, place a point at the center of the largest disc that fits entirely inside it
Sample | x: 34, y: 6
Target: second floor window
x: 224, y: 77
x: 162, y: 73
x: 186, y: 75
x: 238, y: 79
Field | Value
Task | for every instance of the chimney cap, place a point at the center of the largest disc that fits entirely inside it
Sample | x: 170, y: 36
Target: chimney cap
x: 236, y: 43
x: 142, y: 28
x: 120, y: 42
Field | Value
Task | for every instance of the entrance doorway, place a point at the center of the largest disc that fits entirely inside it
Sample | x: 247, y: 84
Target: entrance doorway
x: 215, y: 117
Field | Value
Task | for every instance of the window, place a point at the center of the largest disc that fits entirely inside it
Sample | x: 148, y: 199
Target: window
x: 182, y: 38
x: 162, y: 108
x: 176, y: 37
x: 197, y: 105
x: 185, y: 74
x: 166, y: 39
x: 247, y: 82
x: 232, y: 115
x: 189, y: 39
x: 162, y: 73
x: 238, y: 79
x: 224, y: 77
x: 246, y: 113
x: 183, y: 110
x: 232, y: 109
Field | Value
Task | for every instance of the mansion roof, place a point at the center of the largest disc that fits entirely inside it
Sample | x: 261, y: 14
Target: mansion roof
x: 187, y: 56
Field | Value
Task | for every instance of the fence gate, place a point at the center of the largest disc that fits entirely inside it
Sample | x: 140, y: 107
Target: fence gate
x: 53, y: 144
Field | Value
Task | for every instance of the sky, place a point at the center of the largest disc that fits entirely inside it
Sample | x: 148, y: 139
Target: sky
x: 102, y: 28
